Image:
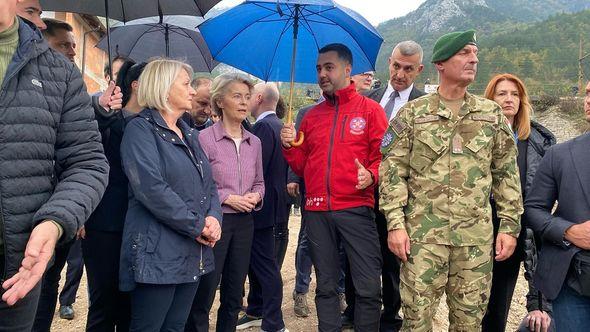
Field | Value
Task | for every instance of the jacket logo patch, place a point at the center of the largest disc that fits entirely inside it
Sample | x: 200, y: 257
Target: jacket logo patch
x: 427, y: 118
x: 357, y: 126
x: 483, y: 117
x: 37, y: 82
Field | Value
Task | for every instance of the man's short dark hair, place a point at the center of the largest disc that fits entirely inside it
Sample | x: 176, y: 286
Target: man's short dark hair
x: 343, y: 52
x: 53, y: 25
x: 107, y: 68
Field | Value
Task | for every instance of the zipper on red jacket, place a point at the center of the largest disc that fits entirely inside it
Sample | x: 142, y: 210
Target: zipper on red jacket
x: 334, y: 124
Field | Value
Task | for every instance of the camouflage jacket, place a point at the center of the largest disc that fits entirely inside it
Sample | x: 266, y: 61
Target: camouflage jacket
x: 439, y: 169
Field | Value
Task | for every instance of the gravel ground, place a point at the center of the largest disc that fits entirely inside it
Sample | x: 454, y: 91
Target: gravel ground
x: 293, y: 323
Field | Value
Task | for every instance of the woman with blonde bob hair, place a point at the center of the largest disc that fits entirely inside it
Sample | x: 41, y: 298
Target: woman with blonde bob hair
x: 532, y: 141
x: 235, y: 155
x: 174, y: 210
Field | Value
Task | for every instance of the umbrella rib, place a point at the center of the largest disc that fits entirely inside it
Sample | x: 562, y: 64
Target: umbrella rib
x: 307, y: 26
x: 198, y: 8
x: 123, y: 12
x: 285, y: 28
x: 137, y: 41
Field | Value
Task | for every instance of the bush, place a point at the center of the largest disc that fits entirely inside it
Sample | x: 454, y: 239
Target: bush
x: 572, y: 105
x: 544, y: 102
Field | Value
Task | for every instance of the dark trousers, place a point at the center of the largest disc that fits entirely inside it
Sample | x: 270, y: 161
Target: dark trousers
x: 232, y: 259
x: 72, y: 254
x: 571, y: 311
x: 505, y: 275
x: 356, y: 230
x: 390, y: 318
x: 109, y: 309
x: 266, y: 287
x: 161, y: 307
x: 20, y: 316
x: 281, y: 235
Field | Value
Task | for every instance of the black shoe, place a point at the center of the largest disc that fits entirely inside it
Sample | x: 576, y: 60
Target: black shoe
x: 66, y: 312
x: 347, y: 322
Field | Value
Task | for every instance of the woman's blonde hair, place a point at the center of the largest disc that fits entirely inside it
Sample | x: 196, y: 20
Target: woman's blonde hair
x: 156, y: 80
x: 522, y: 119
x: 220, y: 86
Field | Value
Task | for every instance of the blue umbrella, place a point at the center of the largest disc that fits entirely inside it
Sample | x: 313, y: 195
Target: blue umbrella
x: 170, y: 36
x: 279, y: 40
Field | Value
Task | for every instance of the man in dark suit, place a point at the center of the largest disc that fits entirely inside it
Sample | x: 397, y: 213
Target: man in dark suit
x: 564, y: 176
x: 266, y: 287
x: 405, y: 64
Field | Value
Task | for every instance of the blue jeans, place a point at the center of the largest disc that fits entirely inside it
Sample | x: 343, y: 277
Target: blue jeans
x: 571, y: 311
x: 303, y: 262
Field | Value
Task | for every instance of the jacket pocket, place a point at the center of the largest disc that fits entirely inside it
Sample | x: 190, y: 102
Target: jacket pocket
x: 478, y: 142
x: 426, y: 150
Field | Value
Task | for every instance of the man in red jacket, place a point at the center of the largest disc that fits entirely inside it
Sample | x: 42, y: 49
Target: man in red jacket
x: 339, y: 161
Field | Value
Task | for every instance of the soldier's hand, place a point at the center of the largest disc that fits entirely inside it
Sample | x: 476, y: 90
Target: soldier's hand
x: 505, y: 245
x: 398, y: 242
x: 364, y: 177
x: 579, y: 235
x: 287, y: 135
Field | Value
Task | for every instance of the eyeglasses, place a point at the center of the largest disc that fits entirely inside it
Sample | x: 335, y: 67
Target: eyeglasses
x: 367, y: 75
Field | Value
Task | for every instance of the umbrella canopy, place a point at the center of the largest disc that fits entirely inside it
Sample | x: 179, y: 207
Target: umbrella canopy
x: 258, y: 36
x: 128, y: 10
x: 170, y: 36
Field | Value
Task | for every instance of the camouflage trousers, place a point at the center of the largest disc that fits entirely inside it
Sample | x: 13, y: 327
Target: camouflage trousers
x: 463, y: 273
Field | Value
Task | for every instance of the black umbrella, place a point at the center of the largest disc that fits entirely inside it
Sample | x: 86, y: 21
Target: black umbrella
x: 171, y: 36
x: 127, y: 10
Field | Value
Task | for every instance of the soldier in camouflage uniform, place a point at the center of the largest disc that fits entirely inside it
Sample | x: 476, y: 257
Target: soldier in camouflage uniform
x: 444, y: 154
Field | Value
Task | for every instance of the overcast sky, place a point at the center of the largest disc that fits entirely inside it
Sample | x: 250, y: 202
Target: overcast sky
x: 376, y: 11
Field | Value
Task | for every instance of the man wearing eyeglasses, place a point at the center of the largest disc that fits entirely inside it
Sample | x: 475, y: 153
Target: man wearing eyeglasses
x: 363, y: 81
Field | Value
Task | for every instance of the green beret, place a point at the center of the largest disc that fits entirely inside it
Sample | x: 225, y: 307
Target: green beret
x: 447, y: 45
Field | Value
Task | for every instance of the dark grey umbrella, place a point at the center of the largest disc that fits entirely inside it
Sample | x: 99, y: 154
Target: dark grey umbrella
x: 170, y: 36
x: 128, y: 10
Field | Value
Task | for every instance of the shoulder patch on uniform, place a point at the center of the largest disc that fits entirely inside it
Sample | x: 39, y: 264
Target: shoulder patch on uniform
x: 398, y: 126
x: 388, y: 138
x: 485, y: 117
x: 427, y: 118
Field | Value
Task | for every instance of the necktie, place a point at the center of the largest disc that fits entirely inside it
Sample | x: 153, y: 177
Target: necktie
x: 390, y: 104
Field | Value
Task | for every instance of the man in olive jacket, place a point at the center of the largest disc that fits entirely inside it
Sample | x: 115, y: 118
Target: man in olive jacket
x: 53, y: 170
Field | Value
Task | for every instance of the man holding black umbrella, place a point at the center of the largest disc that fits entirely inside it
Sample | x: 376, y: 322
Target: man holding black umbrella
x: 339, y: 162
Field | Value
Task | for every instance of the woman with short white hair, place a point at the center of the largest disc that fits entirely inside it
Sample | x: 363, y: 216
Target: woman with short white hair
x: 174, y: 210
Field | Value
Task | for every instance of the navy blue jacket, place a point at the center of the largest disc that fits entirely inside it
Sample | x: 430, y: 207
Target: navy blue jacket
x: 171, y: 191
x: 274, y: 168
x: 563, y: 176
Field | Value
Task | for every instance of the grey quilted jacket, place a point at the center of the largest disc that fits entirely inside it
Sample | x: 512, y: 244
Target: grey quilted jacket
x: 52, y: 164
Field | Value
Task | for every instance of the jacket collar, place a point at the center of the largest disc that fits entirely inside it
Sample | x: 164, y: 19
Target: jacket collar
x: 469, y: 103
x: 219, y: 133
x: 30, y: 45
x: 342, y: 96
x: 155, y: 117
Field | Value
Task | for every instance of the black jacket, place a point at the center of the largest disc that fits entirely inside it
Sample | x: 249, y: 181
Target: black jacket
x: 109, y: 215
x: 563, y: 175
x: 274, y: 165
x: 51, y: 160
